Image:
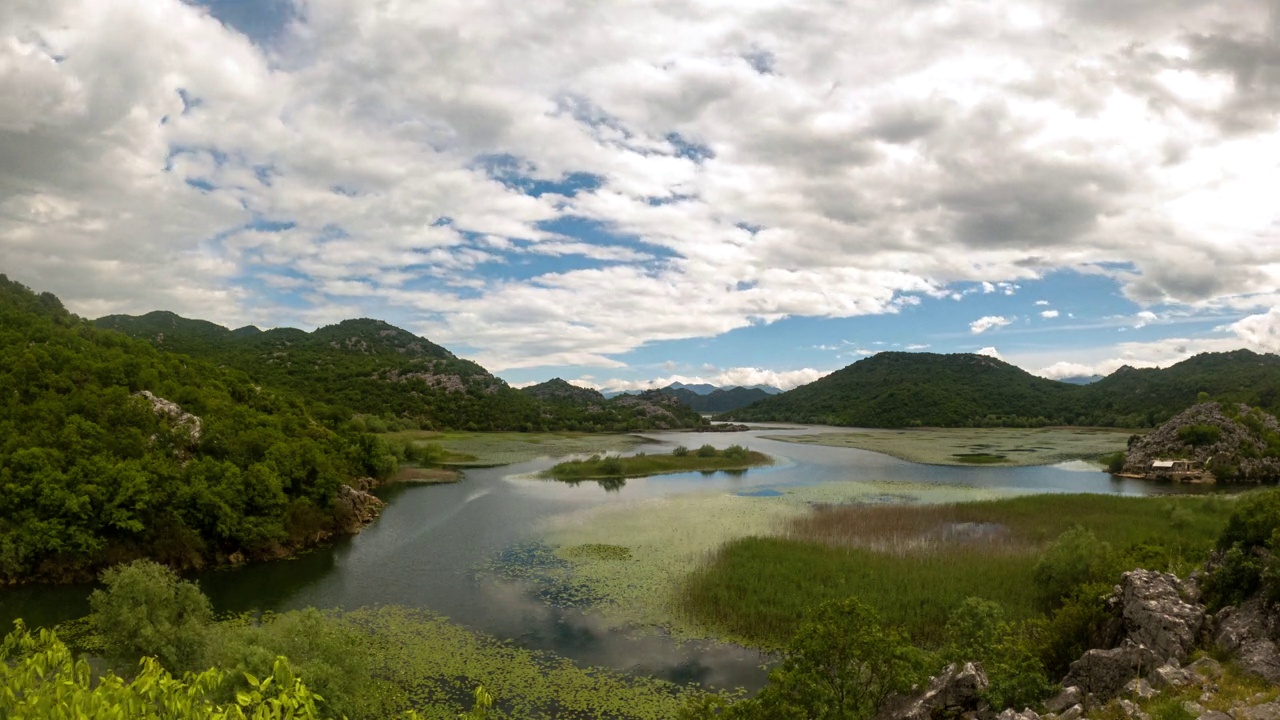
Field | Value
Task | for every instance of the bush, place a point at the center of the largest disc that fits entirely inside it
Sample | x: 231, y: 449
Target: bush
x: 145, y: 610
x: 736, y: 452
x: 1076, y: 558
x: 1198, y: 435
x: 977, y: 631
x: 707, y: 451
x: 1113, y: 462
x: 680, y: 451
x: 611, y: 465
x: 1072, y: 629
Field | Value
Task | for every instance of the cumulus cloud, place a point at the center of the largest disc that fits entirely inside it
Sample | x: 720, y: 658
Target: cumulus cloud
x: 679, y: 170
x: 1049, y: 314
x: 741, y: 377
x: 985, y: 323
x: 990, y: 352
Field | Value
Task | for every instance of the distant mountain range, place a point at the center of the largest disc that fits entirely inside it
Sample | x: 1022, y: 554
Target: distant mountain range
x: 895, y: 389
x: 378, y: 369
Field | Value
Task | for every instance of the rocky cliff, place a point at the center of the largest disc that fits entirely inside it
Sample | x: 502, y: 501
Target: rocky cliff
x: 1224, y: 442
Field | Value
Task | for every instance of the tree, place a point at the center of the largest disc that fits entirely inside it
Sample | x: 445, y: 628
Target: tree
x: 841, y: 665
x: 146, y: 610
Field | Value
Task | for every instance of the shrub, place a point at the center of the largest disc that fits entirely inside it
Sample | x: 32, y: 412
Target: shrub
x: 1198, y: 435
x: 146, y: 610
x: 707, y: 451
x: 680, y: 451
x: 977, y: 631
x: 1072, y: 629
x: 1076, y: 558
x: 611, y: 465
x: 1114, y: 462
x: 736, y: 452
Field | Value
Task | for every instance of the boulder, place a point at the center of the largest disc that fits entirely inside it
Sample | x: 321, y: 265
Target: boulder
x: 1140, y: 689
x: 1206, y: 667
x: 1012, y: 714
x: 1131, y: 710
x: 957, y: 690
x: 1069, y: 696
x: 1265, y: 711
x: 1154, y: 613
x: 1214, y: 715
x: 1249, y: 631
x: 1172, y: 676
x: 1104, y: 673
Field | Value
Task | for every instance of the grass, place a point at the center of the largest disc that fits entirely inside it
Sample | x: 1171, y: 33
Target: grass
x: 641, y: 465
x: 976, y: 446
x: 906, y: 562
x: 486, y: 449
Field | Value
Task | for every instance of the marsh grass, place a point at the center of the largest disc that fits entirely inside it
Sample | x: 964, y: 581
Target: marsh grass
x: 915, y: 564
x: 613, y: 466
x: 976, y: 446
x: 482, y: 449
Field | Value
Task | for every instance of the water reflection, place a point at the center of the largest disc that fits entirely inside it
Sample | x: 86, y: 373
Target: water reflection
x: 425, y: 550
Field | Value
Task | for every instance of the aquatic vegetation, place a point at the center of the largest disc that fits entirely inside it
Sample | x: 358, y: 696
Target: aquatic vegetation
x: 976, y: 446
x: 597, y: 551
x: 596, y: 467
x: 482, y: 449
x: 670, y: 538
x: 899, y: 560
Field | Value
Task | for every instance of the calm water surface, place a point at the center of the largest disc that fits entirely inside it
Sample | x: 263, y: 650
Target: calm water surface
x: 425, y: 549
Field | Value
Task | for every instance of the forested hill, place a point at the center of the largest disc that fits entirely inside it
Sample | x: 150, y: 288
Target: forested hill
x: 111, y: 449
x: 908, y: 389
x: 896, y: 389
x: 390, y: 375
x: 718, y: 400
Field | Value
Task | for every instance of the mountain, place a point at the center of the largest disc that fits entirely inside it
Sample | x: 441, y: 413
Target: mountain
x: 557, y: 390
x: 898, y: 389
x: 716, y: 401
x: 905, y: 389
x: 380, y: 370
x: 113, y: 449
x: 769, y: 389
x: 697, y: 388
x: 1081, y: 379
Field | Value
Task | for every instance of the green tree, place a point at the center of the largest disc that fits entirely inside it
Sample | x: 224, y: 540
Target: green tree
x: 146, y: 610
x: 1076, y: 558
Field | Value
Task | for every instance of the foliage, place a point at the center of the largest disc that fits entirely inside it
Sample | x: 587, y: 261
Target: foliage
x: 1250, y: 552
x: 1071, y: 629
x: 145, y: 609
x: 41, y: 680
x: 978, y: 631
x: 718, y: 400
x: 93, y: 474
x: 707, y: 458
x: 680, y: 451
x: 1114, y: 462
x: 913, y: 389
x: 1077, y: 557
x: 1197, y: 435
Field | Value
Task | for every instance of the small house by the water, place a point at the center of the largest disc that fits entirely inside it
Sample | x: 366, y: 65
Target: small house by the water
x: 1172, y: 467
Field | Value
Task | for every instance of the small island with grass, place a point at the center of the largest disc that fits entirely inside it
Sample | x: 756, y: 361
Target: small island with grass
x: 682, y: 459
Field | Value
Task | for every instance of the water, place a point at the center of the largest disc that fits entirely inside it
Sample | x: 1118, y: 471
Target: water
x: 425, y: 548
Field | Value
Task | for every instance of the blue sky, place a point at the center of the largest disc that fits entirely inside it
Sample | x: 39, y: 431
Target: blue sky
x: 631, y: 193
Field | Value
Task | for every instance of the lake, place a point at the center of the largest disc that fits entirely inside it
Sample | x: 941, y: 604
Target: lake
x: 431, y: 542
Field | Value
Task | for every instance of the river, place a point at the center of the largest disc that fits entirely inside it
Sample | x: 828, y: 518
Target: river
x: 425, y: 549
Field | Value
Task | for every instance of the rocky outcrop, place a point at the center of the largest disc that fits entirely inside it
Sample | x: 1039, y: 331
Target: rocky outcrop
x: 1250, y: 632
x: 1157, y: 610
x: 956, y: 691
x: 1232, y: 447
x: 1103, y: 674
x: 357, y: 507
x: 178, y: 417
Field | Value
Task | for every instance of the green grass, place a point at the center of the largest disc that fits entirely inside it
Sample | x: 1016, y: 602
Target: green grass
x: 982, y: 446
x: 484, y: 449
x: 757, y: 590
x: 599, y: 468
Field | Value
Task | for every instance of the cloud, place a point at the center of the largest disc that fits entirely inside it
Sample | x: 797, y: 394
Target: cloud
x: 983, y: 324
x: 990, y: 352
x: 1049, y: 314
x: 677, y: 171
x: 741, y: 376
x: 1042, y: 302
x: 1261, y: 332
x: 1144, y: 318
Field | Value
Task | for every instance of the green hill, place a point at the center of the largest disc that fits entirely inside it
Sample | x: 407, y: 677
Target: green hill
x: 111, y: 449
x: 896, y: 389
x: 907, y: 389
x: 391, y: 376
x: 718, y: 400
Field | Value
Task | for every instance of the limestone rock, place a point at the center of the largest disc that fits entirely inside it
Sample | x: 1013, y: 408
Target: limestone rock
x: 1131, y: 710
x: 1072, y: 713
x: 1069, y: 696
x: 1141, y: 689
x: 1214, y: 715
x: 957, y: 690
x: 176, y: 415
x: 1153, y: 613
x: 1171, y: 676
x: 1266, y: 711
x: 1249, y: 631
x: 359, y: 505
x: 1012, y: 714
x: 1206, y: 667
x: 1104, y: 673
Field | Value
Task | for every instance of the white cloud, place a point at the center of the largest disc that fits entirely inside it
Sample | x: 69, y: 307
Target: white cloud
x: 1261, y: 332
x: 741, y: 376
x: 916, y: 347
x: 990, y: 352
x: 1049, y: 314
x: 983, y: 324
x: 879, y: 162
x: 1144, y: 318
x: 1042, y: 302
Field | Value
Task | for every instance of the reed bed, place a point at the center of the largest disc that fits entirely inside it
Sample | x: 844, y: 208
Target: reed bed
x: 915, y: 564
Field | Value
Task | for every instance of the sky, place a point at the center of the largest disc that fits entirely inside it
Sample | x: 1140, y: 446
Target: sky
x: 633, y: 192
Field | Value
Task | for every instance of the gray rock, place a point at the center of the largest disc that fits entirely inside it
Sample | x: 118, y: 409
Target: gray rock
x: 1154, y: 613
x: 1140, y: 688
x: 1266, y: 711
x: 1072, y: 713
x: 1069, y: 696
x: 1102, y: 674
x: 1214, y: 715
x: 1131, y: 710
x: 1194, y: 708
x: 957, y: 690
x: 1206, y: 667
x: 1249, y: 631
x: 1011, y: 714
x: 1171, y: 676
